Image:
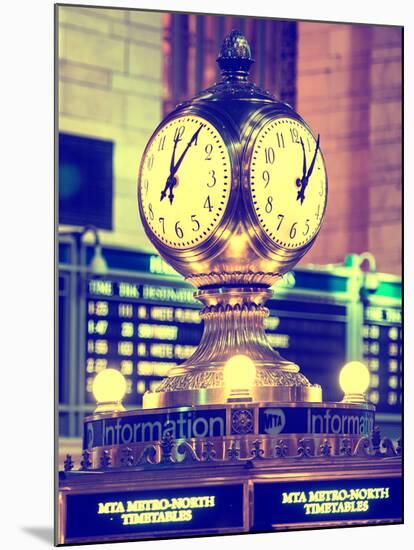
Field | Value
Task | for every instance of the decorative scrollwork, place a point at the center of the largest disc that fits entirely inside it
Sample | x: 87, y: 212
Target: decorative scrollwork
x: 388, y: 445
x: 209, y: 453
x: 148, y: 455
x: 325, y: 448
x: 68, y: 464
x: 233, y: 452
x: 242, y: 421
x: 304, y: 450
x: 85, y: 462
x: 346, y: 448
x: 257, y: 452
x: 376, y: 441
x: 166, y: 446
x: 363, y: 447
x: 186, y: 453
x: 127, y: 458
x: 281, y: 449
x: 105, y: 460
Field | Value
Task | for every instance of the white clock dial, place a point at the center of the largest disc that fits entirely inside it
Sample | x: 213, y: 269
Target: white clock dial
x: 185, y: 182
x: 288, y: 182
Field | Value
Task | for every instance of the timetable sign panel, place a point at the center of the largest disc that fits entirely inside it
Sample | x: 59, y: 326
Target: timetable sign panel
x: 382, y: 340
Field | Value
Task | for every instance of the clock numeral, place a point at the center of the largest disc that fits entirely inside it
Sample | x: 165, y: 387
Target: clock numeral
x: 213, y: 181
x: 294, y: 134
x: 196, y: 226
x: 161, y: 143
x: 280, y: 140
x: 151, y: 211
x: 269, y: 205
x: 292, y: 233
x: 145, y: 185
x: 208, y: 149
x: 178, y: 231
x: 307, y: 227
x: 162, y: 222
x: 266, y: 177
x: 280, y: 217
x: 309, y: 146
x: 150, y: 162
x: 207, y: 204
x: 179, y: 132
x: 270, y: 155
x: 318, y: 212
x: 321, y: 191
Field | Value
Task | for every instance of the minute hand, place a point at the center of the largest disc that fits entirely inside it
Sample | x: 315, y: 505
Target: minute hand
x: 180, y: 160
x: 305, y: 179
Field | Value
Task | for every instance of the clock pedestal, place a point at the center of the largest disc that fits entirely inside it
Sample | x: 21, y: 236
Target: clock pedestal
x: 233, y: 325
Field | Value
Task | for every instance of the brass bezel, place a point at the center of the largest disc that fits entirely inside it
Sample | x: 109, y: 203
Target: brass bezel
x: 216, y: 241
x: 259, y: 239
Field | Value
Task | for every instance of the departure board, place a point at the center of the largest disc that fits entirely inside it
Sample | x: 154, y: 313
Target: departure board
x: 144, y: 329
x: 382, y: 335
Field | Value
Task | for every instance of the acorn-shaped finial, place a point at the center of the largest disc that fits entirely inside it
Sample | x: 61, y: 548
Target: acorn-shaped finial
x: 235, y: 57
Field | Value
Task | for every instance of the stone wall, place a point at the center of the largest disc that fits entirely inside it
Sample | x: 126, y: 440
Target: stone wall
x: 349, y: 90
x: 110, y: 72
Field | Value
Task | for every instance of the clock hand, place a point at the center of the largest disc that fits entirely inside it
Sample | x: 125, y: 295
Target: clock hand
x: 170, y: 180
x: 305, y: 179
x: 304, y: 158
x: 180, y: 160
x: 314, y: 158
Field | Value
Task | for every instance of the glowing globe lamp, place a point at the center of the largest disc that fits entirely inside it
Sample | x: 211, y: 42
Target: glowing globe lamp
x: 239, y: 376
x: 354, y: 382
x: 109, y: 388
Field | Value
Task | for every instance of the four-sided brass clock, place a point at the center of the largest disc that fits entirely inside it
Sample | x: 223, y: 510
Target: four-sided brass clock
x: 232, y: 191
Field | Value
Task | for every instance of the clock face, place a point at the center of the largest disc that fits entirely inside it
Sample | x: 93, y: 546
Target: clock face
x: 287, y: 182
x: 185, y: 181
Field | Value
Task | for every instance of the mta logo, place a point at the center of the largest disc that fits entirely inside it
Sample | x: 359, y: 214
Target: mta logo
x: 274, y: 421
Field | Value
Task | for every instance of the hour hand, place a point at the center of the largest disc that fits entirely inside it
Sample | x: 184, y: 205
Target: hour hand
x: 168, y: 185
x: 304, y: 158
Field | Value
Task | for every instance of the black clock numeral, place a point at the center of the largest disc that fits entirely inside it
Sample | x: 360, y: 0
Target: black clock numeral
x: 196, y: 223
x: 292, y: 233
x: 179, y: 132
x: 280, y: 140
x: 161, y: 143
x: 270, y: 155
x: 151, y: 211
x: 321, y: 190
x: 307, y: 227
x: 266, y: 177
x: 294, y: 134
x: 178, y: 230
x: 269, y: 205
x: 207, y: 204
x: 162, y: 222
x: 280, y: 217
x: 208, y: 149
x: 150, y: 162
x: 213, y: 181
x: 146, y: 185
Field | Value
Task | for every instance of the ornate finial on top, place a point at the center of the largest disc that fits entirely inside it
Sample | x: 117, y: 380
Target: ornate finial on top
x: 235, y: 56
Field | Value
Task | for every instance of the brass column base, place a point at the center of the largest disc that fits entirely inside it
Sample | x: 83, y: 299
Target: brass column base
x: 233, y: 324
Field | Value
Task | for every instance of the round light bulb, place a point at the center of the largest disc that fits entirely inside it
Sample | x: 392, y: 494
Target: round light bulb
x: 354, y: 379
x: 109, y: 388
x: 239, y: 373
